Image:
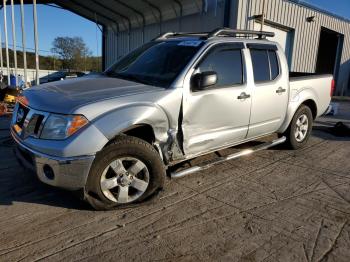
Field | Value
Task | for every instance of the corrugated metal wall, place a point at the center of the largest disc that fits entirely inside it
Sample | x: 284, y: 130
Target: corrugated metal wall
x: 117, y: 44
x: 306, y: 35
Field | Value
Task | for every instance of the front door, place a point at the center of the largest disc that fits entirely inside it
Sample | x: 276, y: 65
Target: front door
x: 270, y: 92
x: 217, y: 115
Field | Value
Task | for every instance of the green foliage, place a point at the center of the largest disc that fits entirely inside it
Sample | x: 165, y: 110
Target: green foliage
x: 74, y: 54
x: 91, y: 63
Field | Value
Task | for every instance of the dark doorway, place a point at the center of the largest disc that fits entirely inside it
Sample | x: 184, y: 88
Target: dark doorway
x: 329, y: 52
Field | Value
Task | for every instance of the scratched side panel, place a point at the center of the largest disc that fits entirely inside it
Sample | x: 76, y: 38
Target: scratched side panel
x: 213, y: 119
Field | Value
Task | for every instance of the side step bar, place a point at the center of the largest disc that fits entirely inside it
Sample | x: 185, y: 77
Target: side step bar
x: 219, y: 160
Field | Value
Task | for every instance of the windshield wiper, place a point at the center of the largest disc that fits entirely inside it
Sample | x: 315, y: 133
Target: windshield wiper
x: 111, y: 74
x: 130, y: 77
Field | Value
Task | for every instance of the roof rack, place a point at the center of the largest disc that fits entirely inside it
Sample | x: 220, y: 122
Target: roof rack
x: 228, y: 32
x: 235, y: 32
x: 182, y: 34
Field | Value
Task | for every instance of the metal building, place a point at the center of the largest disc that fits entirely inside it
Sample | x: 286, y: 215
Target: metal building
x: 315, y: 41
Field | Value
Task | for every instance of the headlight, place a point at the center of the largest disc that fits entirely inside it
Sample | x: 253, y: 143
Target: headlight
x: 62, y: 126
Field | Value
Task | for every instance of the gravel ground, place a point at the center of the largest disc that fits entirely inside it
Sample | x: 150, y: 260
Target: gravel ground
x: 276, y: 205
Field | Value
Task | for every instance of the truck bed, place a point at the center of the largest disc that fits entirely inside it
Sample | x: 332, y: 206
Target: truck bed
x: 302, y: 74
x: 318, y: 84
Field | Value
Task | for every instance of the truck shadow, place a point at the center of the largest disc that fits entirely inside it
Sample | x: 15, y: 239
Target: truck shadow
x: 330, y: 133
x: 21, y: 185
x: 332, y: 129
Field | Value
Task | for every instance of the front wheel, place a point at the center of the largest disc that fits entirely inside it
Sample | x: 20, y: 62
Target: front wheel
x: 125, y: 172
x: 299, y: 130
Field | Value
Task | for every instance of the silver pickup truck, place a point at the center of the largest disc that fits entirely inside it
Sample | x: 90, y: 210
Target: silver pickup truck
x: 114, y: 136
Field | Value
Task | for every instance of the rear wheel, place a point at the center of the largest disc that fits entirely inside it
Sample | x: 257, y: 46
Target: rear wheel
x: 299, y: 130
x: 125, y: 172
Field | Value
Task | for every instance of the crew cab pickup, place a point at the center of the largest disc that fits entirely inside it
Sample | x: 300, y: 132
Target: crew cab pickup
x: 113, y: 136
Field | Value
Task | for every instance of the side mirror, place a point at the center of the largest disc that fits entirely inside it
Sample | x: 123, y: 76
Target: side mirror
x: 203, y: 80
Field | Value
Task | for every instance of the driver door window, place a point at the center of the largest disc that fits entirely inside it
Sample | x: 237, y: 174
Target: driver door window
x: 227, y: 63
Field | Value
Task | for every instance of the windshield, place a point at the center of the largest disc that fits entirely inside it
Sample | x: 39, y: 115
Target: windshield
x: 155, y: 63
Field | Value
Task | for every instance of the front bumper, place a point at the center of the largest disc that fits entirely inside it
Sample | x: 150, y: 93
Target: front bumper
x: 65, y: 172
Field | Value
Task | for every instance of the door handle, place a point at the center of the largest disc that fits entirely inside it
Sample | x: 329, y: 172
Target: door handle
x: 280, y: 90
x: 243, y: 96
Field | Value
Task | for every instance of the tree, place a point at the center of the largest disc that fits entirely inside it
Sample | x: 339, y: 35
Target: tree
x: 72, y: 51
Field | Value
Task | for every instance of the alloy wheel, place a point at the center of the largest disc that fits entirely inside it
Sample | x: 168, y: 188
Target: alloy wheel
x: 124, y: 180
x: 301, y: 128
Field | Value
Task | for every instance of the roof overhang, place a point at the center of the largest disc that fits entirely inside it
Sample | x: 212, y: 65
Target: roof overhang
x: 126, y: 14
x: 303, y: 3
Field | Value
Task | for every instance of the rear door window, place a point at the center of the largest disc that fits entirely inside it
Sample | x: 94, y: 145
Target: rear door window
x: 261, y: 66
x: 273, y: 64
x: 265, y: 65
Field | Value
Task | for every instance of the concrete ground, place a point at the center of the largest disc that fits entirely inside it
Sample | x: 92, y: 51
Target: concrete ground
x: 277, y: 205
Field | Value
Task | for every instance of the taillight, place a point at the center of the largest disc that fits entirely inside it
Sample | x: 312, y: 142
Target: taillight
x: 332, y: 87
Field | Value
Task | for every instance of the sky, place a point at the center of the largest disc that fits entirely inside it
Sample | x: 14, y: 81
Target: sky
x: 339, y: 7
x: 52, y: 22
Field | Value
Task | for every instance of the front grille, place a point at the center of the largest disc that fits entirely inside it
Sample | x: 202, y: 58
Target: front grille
x: 21, y: 114
x: 33, y: 126
x: 29, y: 121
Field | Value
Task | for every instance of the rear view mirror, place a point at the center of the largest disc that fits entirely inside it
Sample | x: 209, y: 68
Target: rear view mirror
x: 203, y: 80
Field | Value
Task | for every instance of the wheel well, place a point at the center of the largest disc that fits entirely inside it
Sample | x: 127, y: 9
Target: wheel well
x: 144, y: 132
x: 312, y: 105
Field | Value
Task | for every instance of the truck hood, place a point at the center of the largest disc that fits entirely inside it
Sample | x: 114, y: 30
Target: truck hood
x: 67, y: 95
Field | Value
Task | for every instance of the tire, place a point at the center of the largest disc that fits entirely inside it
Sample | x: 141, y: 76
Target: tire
x: 126, y: 172
x: 299, y: 130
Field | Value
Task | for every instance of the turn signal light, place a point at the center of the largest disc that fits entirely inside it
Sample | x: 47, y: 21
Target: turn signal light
x: 76, y: 123
x: 23, y: 100
x: 332, y: 87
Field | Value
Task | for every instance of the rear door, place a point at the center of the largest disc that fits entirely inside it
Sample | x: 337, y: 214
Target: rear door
x: 284, y: 36
x: 218, y: 115
x: 271, y: 88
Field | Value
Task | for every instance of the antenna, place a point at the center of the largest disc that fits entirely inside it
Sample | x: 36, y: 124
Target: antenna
x: 263, y: 17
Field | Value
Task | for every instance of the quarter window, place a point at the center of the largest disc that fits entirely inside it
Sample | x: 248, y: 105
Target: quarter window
x: 273, y: 64
x: 227, y: 63
x: 265, y: 65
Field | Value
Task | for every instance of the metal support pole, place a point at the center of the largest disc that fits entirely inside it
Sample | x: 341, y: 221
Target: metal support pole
x: 118, y: 40
x: 35, y: 18
x: 24, y: 45
x: 137, y: 12
x: 263, y: 17
x: 14, y: 41
x: 6, y: 43
x: 129, y: 35
x: 106, y: 7
x: 160, y: 18
x: 1, y: 58
x: 181, y: 14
